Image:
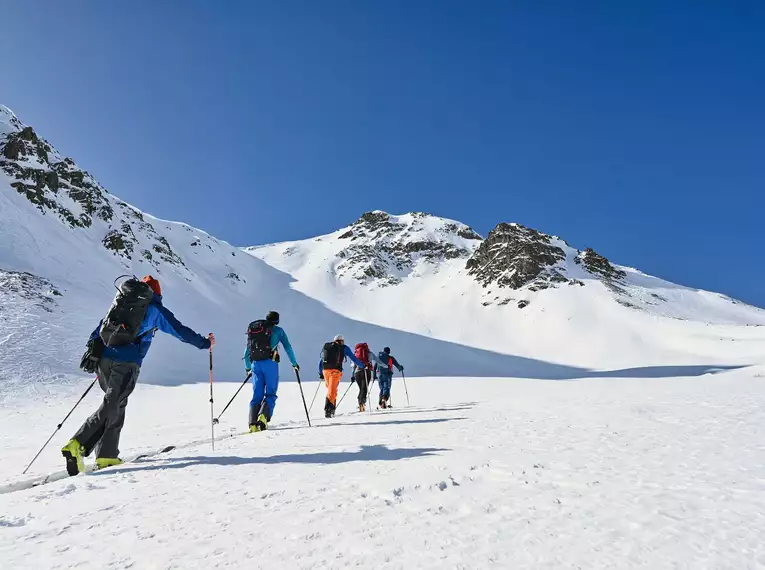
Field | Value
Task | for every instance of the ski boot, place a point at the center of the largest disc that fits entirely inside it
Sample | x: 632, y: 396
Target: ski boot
x: 329, y: 409
x: 261, y: 424
x: 104, y: 462
x: 73, y: 452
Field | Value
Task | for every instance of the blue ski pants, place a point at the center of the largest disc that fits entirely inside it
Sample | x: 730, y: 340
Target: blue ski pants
x: 265, y: 383
x: 385, y: 378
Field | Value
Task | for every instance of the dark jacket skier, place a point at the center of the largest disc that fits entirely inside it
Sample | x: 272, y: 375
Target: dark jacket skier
x: 117, y: 371
x: 384, y: 373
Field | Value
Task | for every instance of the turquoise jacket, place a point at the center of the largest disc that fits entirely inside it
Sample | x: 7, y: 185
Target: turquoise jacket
x: 277, y: 336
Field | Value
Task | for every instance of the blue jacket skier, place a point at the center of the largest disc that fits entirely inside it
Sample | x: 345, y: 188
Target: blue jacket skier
x: 261, y: 357
x: 118, y: 369
x: 384, y: 372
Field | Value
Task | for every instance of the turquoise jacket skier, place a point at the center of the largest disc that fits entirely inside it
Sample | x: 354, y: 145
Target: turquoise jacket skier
x: 265, y: 376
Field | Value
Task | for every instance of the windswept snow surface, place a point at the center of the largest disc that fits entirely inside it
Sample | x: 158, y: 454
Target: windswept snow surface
x: 477, y: 473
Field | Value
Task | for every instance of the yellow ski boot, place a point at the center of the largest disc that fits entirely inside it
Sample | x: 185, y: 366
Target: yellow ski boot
x: 104, y: 462
x: 73, y: 453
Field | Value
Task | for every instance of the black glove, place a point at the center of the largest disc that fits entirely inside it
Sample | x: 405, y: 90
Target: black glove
x: 401, y: 369
x: 321, y: 376
x: 296, y: 367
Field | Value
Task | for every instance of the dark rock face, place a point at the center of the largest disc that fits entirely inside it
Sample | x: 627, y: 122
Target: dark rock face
x: 515, y: 256
x: 56, y: 185
x: 26, y: 158
x: 598, y: 265
x: 382, y: 248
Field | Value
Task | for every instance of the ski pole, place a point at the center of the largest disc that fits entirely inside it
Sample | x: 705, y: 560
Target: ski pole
x: 369, y: 392
x: 403, y: 377
x: 316, y: 393
x: 58, y: 427
x: 212, y: 412
x: 302, y: 396
x: 217, y: 420
x: 346, y: 393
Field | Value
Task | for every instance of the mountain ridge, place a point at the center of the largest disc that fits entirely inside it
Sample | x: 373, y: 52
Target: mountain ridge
x: 398, y: 280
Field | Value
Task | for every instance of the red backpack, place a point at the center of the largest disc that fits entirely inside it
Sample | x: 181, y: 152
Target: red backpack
x: 362, y: 352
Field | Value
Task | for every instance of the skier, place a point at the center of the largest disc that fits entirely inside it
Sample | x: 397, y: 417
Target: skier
x: 119, y: 365
x: 261, y: 356
x: 362, y: 375
x: 331, y: 370
x: 384, y: 368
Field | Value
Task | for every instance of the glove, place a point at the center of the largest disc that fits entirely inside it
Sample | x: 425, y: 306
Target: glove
x: 296, y: 367
x: 401, y: 369
x: 248, y: 371
x: 321, y: 376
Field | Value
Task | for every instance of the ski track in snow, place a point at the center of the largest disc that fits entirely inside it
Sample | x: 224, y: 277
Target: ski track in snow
x: 597, y: 473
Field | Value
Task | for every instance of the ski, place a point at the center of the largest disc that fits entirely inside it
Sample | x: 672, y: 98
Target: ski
x: 60, y: 475
x: 147, y: 455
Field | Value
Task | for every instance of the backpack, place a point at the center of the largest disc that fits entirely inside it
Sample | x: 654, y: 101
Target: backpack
x: 362, y: 352
x: 332, y: 356
x: 386, y: 360
x: 121, y: 324
x: 259, y: 340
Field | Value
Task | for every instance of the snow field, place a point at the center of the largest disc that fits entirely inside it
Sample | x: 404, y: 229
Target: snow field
x: 479, y: 473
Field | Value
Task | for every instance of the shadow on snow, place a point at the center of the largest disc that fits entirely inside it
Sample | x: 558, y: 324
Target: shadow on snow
x: 365, y: 453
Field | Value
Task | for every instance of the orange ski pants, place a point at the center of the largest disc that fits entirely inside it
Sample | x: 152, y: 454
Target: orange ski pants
x: 332, y: 380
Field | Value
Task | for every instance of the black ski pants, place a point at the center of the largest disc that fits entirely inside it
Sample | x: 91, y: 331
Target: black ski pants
x: 362, y: 378
x: 101, y: 431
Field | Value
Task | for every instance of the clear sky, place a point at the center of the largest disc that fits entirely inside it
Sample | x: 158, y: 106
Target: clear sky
x: 635, y: 128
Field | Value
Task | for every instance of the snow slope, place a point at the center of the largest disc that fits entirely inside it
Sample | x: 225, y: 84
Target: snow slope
x: 478, y: 473
x: 585, y: 415
x: 398, y: 281
x: 590, y: 323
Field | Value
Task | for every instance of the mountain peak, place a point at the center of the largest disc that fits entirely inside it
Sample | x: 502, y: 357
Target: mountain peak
x: 382, y: 248
x: 412, y: 222
x: 8, y: 121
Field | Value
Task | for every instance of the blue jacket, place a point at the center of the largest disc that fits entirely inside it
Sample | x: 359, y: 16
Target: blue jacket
x: 348, y: 354
x: 277, y: 336
x: 157, y: 317
x: 385, y: 363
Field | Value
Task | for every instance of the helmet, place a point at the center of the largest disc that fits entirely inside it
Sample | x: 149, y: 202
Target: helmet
x: 338, y: 338
x: 386, y: 350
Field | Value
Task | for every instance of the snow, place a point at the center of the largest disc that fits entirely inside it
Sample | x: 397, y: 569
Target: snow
x: 512, y: 473
x: 573, y: 433
x: 570, y: 325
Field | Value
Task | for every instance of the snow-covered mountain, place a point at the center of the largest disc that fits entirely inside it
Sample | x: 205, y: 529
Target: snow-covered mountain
x: 518, y: 291
x: 448, y: 301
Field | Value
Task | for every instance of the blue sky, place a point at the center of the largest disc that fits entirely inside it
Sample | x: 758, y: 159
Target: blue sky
x: 635, y: 128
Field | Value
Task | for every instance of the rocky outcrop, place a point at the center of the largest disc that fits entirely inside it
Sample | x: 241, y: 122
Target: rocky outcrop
x: 382, y: 247
x: 599, y: 266
x: 515, y: 256
x: 29, y: 287
x: 56, y: 185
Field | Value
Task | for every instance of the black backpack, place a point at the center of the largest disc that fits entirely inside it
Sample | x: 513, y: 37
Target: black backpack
x: 332, y: 356
x: 121, y: 324
x: 259, y: 340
